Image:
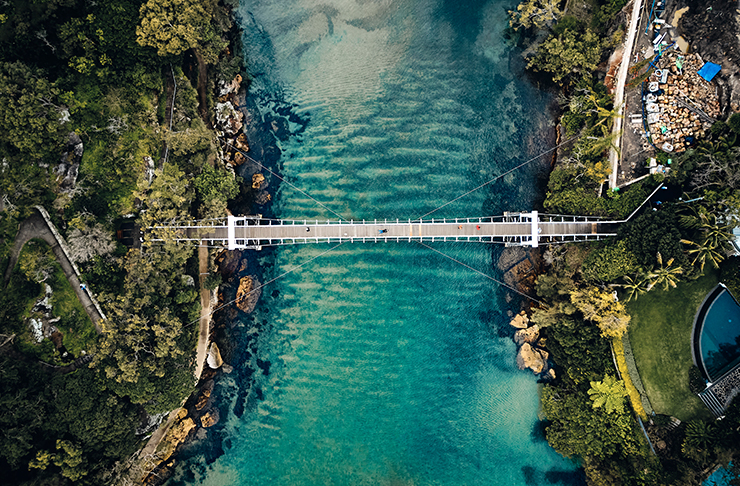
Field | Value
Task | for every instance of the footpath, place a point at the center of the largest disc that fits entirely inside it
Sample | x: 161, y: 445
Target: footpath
x: 39, y: 225
x: 614, y: 155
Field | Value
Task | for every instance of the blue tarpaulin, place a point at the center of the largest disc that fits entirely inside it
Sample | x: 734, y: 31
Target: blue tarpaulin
x: 709, y: 70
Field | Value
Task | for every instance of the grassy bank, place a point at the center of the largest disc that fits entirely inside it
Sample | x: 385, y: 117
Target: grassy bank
x: 660, y: 334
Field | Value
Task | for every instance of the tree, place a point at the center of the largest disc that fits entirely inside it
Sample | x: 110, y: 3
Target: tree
x: 712, y: 238
x: 635, y: 286
x: 33, y: 112
x: 701, y: 440
x: 609, y: 262
x: 609, y: 393
x: 602, y: 308
x: 703, y: 252
x: 173, y: 26
x: 87, y: 241
x: 215, y: 184
x: 577, y: 429
x: 535, y: 13
x: 569, y: 54
x: 667, y: 274
x: 654, y: 232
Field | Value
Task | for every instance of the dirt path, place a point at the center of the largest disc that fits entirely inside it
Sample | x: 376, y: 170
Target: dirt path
x: 205, y: 312
x: 201, y: 88
x: 36, y: 226
x: 614, y: 156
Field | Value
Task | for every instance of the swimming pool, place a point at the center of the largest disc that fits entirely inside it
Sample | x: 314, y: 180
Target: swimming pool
x: 717, y: 334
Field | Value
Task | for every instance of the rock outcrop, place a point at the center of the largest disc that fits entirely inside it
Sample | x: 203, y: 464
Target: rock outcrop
x: 520, y: 321
x: 247, y: 294
x: 210, y: 418
x: 214, y: 357
x: 529, y: 357
x: 529, y: 335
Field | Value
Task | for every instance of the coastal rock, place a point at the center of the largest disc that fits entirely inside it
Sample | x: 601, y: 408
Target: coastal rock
x: 257, y: 181
x: 520, y: 321
x: 528, y: 335
x: 263, y: 197
x: 230, y: 88
x: 214, y: 357
x: 202, y: 401
x: 529, y: 357
x: 205, y: 395
x: 210, y: 418
x: 551, y: 374
x: 229, y: 261
x: 247, y: 294
x: 180, y: 430
x: 511, y: 256
x: 228, y: 118
x: 521, y: 276
x: 241, y: 143
x: 243, y: 266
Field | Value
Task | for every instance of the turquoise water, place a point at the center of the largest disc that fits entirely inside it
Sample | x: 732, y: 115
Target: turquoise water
x: 385, y: 363
x: 720, y: 336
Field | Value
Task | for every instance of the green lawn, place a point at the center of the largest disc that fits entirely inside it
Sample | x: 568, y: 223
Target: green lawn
x: 660, y: 335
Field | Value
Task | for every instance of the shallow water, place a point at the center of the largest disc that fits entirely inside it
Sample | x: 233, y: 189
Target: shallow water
x: 386, y: 363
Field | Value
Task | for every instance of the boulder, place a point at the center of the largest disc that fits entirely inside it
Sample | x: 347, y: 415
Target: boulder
x: 228, y: 118
x: 181, y: 430
x: 528, y: 335
x: 229, y: 261
x: 203, y: 400
x: 520, y: 321
x: 210, y: 418
x: 257, y: 180
x: 247, y: 294
x: 529, y: 357
x: 214, y: 357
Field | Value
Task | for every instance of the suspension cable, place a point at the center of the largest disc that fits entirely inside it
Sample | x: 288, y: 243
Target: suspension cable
x: 481, y: 273
x: 265, y: 284
x: 291, y: 185
x: 497, y: 177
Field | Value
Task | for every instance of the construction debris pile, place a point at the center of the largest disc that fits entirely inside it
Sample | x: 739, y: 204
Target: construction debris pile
x: 680, y: 105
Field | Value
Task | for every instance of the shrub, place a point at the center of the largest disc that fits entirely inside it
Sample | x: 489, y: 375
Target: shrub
x: 696, y: 380
x: 734, y: 123
x: 632, y: 392
x: 730, y: 275
x: 609, y: 262
x: 213, y: 281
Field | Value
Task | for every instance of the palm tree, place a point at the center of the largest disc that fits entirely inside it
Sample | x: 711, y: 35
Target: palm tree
x: 704, y: 251
x: 715, y: 237
x: 601, y: 144
x: 609, y: 393
x: 702, y: 437
x: 635, y: 286
x: 667, y: 274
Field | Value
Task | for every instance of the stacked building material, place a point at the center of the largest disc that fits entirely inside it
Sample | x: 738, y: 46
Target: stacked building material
x: 681, y: 105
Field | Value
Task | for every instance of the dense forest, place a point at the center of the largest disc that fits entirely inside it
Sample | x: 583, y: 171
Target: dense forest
x: 104, y: 122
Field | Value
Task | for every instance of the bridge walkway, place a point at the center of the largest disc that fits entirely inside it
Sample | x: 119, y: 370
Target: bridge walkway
x: 517, y: 229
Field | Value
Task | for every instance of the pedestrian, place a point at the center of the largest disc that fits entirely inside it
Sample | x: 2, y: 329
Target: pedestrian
x: 83, y: 286
x: 459, y: 227
x: 477, y: 226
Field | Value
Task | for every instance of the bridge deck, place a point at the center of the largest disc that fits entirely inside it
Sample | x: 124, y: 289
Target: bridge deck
x: 522, y: 229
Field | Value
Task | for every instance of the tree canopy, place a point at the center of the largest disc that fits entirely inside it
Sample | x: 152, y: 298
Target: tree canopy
x: 173, y: 26
x: 568, y: 55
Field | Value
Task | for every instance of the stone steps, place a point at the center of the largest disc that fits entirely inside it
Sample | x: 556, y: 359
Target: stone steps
x: 707, y: 396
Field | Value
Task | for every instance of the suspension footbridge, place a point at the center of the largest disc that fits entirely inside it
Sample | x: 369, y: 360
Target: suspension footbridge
x: 511, y: 229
